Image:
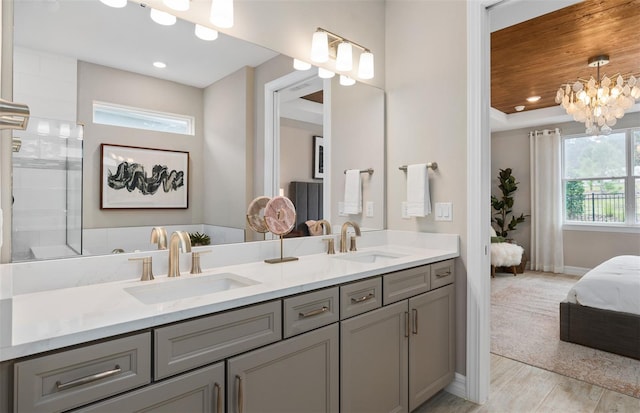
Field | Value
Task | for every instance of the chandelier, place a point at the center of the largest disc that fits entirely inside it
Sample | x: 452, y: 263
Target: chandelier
x: 599, y: 103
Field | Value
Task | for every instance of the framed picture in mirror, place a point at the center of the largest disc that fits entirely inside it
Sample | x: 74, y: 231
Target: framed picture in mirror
x: 318, y: 157
x: 144, y: 178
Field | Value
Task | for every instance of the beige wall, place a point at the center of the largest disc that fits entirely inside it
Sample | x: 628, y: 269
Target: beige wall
x: 510, y: 149
x: 426, y: 121
x: 105, y: 84
x: 228, y: 140
x: 296, y: 151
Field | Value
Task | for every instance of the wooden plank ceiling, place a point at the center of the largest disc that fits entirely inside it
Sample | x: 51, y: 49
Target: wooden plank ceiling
x: 537, y: 56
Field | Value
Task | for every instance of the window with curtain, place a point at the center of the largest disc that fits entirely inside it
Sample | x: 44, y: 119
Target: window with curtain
x: 601, y: 179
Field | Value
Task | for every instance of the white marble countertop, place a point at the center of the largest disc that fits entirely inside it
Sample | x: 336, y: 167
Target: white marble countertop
x: 43, y: 320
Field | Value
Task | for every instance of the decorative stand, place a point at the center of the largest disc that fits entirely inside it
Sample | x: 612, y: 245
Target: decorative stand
x: 279, y: 218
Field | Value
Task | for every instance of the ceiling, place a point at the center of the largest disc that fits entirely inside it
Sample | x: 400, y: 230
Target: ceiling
x: 536, y: 56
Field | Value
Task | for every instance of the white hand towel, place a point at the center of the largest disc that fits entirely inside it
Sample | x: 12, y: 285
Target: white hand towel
x: 418, y: 199
x: 352, y: 192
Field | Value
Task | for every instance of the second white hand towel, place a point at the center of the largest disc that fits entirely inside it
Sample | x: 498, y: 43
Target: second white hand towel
x: 418, y: 199
x: 352, y: 192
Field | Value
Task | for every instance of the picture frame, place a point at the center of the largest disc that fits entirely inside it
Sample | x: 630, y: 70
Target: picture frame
x: 318, y: 157
x: 133, y: 177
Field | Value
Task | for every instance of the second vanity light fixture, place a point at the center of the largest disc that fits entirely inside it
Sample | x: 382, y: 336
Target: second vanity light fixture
x: 325, y: 44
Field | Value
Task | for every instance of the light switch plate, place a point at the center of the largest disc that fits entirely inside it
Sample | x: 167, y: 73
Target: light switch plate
x: 369, y: 209
x: 444, y: 211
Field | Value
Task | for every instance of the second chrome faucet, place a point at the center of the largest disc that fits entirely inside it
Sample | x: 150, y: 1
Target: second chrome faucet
x: 179, y: 240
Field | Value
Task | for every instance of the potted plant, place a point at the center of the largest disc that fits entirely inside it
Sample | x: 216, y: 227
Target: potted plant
x: 198, y: 239
x: 503, y: 216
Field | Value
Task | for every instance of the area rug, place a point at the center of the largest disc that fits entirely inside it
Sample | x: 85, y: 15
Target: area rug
x: 525, y: 327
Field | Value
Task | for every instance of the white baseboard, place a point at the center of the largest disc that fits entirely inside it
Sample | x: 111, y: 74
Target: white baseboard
x: 458, y: 387
x: 575, y: 270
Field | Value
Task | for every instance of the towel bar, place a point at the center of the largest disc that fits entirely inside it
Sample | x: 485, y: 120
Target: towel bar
x: 362, y: 171
x: 432, y: 165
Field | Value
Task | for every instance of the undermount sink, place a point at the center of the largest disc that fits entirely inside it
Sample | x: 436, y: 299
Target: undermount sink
x: 179, y: 288
x: 369, y: 256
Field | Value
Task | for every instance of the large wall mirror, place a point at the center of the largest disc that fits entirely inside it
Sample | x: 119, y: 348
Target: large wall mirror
x: 71, y: 57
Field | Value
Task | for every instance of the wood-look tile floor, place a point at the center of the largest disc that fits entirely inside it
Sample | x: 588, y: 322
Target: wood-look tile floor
x: 520, y: 388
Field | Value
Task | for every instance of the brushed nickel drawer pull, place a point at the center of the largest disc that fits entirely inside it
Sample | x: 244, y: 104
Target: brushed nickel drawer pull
x: 239, y: 399
x: 362, y: 299
x: 216, y: 387
x: 88, y: 379
x: 443, y: 274
x: 415, y: 321
x: 311, y: 313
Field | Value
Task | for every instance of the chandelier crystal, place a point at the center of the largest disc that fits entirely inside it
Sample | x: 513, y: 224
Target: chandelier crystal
x: 599, y: 103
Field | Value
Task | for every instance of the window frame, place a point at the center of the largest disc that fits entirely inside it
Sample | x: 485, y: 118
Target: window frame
x: 141, y: 112
x: 629, y: 224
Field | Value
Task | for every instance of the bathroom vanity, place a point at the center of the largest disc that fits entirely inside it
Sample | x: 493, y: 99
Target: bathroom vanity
x: 372, y: 330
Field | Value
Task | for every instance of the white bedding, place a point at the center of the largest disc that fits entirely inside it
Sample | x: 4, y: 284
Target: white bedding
x: 612, y: 285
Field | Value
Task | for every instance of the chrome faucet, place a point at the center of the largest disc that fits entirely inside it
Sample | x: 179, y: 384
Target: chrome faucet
x: 159, y: 236
x: 179, y: 239
x: 343, y: 236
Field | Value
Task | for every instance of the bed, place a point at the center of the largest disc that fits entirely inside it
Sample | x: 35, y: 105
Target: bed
x: 602, y: 310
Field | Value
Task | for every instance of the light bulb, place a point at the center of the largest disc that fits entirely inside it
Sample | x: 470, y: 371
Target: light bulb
x: 222, y: 13
x: 115, y: 3
x: 320, y: 47
x: 162, y: 17
x: 179, y: 5
x: 205, y: 33
x: 300, y: 65
x: 347, y: 81
x: 365, y: 68
x: 325, y: 74
x: 344, y: 61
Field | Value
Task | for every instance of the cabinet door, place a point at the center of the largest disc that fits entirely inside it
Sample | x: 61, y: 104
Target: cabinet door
x: 198, y: 391
x: 295, y: 375
x: 374, y: 359
x: 432, y: 344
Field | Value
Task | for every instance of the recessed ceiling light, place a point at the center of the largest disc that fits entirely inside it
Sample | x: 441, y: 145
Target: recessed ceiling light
x: 160, y: 65
x: 519, y: 108
x: 532, y: 99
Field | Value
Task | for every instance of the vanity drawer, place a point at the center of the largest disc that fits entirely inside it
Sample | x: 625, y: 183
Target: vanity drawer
x: 82, y: 375
x: 311, y: 310
x: 187, y: 345
x: 360, y: 297
x: 442, y: 273
x: 406, y: 283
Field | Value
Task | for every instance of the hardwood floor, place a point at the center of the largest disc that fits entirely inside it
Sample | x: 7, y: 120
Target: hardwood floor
x: 521, y: 388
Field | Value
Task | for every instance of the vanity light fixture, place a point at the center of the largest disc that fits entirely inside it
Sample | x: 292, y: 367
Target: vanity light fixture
x: 300, y: 65
x: 221, y: 13
x: 179, y: 5
x: 13, y: 115
x: 114, y: 3
x: 206, y: 33
x: 162, y: 17
x: 347, y: 81
x: 325, y: 44
x: 160, y: 65
x: 325, y: 74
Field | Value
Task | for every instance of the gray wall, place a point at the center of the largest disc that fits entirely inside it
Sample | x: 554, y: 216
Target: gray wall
x: 125, y: 88
x: 296, y: 151
x: 228, y: 154
x: 582, y: 249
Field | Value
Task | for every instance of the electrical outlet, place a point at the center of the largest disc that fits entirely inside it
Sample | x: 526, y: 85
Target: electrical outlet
x: 405, y: 210
x: 369, y: 209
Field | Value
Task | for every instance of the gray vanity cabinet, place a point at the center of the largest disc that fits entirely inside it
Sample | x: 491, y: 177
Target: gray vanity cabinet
x: 395, y: 358
x: 431, y: 344
x: 374, y: 357
x: 199, y: 391
x: 296, y: 375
